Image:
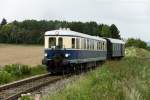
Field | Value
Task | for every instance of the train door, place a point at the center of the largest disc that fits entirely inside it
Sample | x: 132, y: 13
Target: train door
x: 109, y: 49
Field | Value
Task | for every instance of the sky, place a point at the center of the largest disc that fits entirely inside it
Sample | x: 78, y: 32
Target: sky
x: 132, y: 17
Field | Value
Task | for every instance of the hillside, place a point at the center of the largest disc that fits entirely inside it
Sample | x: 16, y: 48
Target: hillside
x: 137, y: 52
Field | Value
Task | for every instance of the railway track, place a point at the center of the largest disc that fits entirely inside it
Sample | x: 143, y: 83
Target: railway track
x: 14, y: 90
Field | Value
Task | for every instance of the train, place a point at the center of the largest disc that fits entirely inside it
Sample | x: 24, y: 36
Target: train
x: 68, y: 51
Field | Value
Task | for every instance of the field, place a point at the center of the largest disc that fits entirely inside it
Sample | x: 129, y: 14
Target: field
x: 22, y: 54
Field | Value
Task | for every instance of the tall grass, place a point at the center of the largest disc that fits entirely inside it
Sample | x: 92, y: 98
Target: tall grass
x: 17, y: 71
x: 127, y: 79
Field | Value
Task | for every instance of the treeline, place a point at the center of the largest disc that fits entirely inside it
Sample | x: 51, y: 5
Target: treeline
x: 32, y: 31
x: 131, y: 42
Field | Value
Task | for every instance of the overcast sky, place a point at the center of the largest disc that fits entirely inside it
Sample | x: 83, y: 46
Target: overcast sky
x: 132, y: 17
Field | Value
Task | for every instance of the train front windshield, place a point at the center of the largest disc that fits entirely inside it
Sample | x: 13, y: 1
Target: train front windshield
x: 52, y: 42
x: 55, y: 42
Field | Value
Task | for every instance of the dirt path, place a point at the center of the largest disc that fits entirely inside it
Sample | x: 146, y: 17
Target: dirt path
x: 22, y: 54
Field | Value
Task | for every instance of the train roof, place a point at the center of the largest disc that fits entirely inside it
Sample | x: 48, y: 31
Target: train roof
x: 116, y: 41
x: 71, y: 33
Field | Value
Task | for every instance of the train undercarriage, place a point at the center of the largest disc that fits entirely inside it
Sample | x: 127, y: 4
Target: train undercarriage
x: 61, y: 68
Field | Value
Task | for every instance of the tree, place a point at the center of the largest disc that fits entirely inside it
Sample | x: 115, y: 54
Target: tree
x: 32, y: 31
x: 4, y: 21
x: 100, y: 30
x: 114, y: 32
x: 105, y: 31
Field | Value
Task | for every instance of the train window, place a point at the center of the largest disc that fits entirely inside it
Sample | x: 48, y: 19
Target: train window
x: 73, y: 42
x: 117, y: 47
x: 82, y: 43
x: 77, y: 43
x: 113, y: 47
x: 100, y: 43
x: 103, y: 46
x: 97, y: 45
x: 88, y: 46
x: 60, y: 42
x: 52, y: 42
x: 85, y: 44
x: 93, y: 44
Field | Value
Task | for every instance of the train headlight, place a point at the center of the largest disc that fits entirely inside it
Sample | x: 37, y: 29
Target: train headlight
x: 67, y: 55
x: 45, y: 54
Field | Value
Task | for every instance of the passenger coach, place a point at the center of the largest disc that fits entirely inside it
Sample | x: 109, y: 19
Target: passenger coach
x: 115, y: 48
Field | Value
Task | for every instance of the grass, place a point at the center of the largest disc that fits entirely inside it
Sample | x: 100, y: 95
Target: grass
x: 137, y: 52
x: 14, y: 72
x: 127, y: 79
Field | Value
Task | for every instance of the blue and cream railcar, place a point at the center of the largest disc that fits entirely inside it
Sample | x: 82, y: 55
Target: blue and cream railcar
x: 115, y: 48
x: 65, y: 47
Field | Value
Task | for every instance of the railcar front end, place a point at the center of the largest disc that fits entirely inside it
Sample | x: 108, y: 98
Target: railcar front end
x: 64, y: 49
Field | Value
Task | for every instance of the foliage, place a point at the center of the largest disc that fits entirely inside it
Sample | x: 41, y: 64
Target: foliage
x: 5, y: 77
x: 136, y: 43
x: 26, y: 97
x: 114, y: 32
x: 32, y: 31
x: 106, y: 31
x: 39, y: 69
x: 127, y: 79
x: 148, y: 48
x: 4, y: 21
x: 17, y: 71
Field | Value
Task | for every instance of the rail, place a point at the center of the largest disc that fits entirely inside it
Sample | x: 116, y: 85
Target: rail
x: 14, y: 90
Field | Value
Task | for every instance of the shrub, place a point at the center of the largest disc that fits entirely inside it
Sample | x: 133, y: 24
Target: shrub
x: 5, y: 77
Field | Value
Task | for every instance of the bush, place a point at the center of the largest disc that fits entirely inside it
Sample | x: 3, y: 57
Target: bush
x: 5, y: 77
